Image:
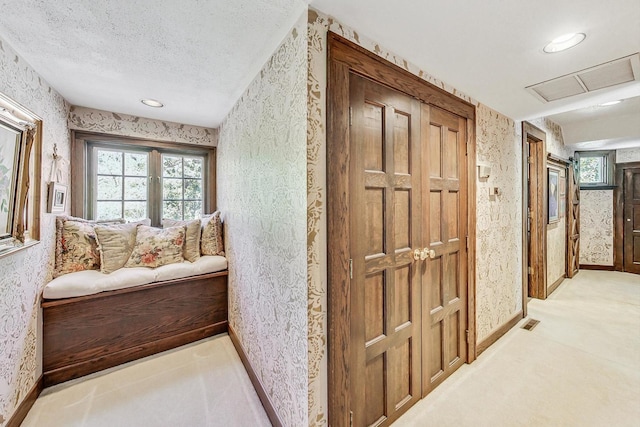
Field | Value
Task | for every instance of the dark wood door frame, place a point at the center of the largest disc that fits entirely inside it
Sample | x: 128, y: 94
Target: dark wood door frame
x: 344, y: 58
x: 618, y: 214
x: 532, y: 134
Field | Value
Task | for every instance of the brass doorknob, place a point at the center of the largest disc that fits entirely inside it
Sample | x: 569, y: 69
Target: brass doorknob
x: 417, y: 254
x: 427, y: 253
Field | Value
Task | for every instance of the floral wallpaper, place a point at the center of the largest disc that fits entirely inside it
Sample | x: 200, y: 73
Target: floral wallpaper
x: 262, y: 188
x: 317, y: 219
x: 90, y: 120
x: 499, y: 222
x: 596, y: 227
x: 628, y: 155
x: 22, y: 275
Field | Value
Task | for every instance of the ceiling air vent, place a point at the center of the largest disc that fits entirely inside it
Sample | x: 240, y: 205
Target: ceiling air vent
x: 609, y: 74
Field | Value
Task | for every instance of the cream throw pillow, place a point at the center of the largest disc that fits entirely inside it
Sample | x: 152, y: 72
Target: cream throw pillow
x: 155, y: 246
x: 192, y: 245
x: 115, y: 243
x: 211, y: 243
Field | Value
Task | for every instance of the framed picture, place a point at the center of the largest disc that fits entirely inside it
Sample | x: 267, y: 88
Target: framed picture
x: 554, y: 195
x: 563, y: 194
x: 57, y: 197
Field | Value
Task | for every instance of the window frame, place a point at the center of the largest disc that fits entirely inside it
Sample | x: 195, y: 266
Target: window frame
x: 83, y: 170
x: 609, y: 160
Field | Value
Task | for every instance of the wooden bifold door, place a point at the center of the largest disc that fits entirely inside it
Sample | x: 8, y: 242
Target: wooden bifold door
x: 408, y: 259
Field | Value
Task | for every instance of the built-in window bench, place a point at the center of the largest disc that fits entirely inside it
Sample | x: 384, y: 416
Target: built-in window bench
x: 91, y: 325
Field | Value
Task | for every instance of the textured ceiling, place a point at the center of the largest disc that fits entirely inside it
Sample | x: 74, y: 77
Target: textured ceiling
x: 196, y: 56
x: 199, y: 56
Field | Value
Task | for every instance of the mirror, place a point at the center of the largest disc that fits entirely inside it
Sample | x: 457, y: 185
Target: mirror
x: 10, y: 145
x: 20, y: 164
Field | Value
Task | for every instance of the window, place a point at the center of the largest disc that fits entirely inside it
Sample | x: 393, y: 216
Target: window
x: 135, y: 180
x: 596, y: 169
x: 182, y: 184
x: 121, y: 189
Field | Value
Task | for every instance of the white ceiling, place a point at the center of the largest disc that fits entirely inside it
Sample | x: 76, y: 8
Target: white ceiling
x: 199, y: 56
x: 196, y: 56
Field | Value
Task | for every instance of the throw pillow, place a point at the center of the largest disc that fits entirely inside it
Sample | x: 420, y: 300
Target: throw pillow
x: 76, y: 247
x: 155, y: 247
x: 211, y: 242
x: 192, y: 245
x: 115, y: 243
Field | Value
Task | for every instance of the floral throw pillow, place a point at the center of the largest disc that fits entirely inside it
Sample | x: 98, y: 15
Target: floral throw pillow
x: 192, y: 245
x: 211, y: 242
x: 76, y: 247
x: 155, y: 247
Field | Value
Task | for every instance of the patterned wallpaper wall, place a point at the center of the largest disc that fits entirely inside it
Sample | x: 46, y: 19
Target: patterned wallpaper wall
x: 91, y: 120
x: 499, y: 222
x: 23, y: 274
x: 262, y: 187
x: 317, y: 217
x: 596, y: 227
x: 627, y: 155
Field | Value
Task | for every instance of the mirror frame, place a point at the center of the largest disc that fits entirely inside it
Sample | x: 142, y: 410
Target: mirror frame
x: 24, y: 214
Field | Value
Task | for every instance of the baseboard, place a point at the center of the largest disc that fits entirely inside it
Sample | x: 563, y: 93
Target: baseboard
x: 262, y: 394
x: 555, y: 285
x: 495, y: 336
x: 23, y: 409
x: 597, y: 267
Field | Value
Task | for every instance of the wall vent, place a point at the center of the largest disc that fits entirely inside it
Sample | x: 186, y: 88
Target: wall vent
x: 612, y: 73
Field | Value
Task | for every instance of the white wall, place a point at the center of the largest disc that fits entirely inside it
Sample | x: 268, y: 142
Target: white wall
x: 262, y: 181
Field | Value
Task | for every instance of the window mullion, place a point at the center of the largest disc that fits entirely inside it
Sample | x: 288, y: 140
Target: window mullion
x: 155, y: 187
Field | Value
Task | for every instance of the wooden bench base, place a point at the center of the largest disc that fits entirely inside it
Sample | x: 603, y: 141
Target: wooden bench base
x: 87, y: 334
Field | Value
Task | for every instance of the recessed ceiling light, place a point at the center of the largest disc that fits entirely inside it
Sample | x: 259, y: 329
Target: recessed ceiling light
x: 152, y: 103
x: 606, y: 104
x: 564, y: 42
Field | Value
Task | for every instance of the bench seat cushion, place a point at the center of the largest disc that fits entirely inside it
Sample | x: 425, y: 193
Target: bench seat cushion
x: 90, y: 282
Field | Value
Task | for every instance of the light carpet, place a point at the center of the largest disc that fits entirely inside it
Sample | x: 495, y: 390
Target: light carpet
x: 580, y: 366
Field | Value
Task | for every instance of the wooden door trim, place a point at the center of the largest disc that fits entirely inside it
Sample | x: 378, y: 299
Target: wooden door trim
x: 618, y: 214
x: 345, y: 57
x: 532, y: 132
x: 368, y: 64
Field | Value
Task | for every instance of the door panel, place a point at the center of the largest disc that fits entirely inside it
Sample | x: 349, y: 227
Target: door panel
x: 631, y: 220
x: 385, y: 204
x: 573, y: 224
x: 444, y: 230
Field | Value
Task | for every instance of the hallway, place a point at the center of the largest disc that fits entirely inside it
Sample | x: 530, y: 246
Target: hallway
x: 580, y: 366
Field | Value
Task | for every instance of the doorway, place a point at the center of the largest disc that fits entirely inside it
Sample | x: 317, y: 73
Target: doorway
x: 627, y: 218
x: 401, y: 227
x: 534, y: 161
